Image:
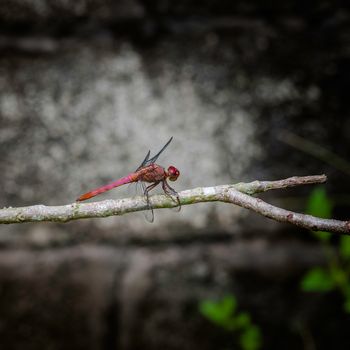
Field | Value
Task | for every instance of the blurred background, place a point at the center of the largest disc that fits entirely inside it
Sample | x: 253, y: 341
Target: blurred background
x: 249, y: 90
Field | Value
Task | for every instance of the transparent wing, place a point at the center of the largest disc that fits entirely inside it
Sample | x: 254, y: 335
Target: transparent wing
x: 154, y: 159
x: 148, y: 214
x: 144, y: 161
x: 139, y: 189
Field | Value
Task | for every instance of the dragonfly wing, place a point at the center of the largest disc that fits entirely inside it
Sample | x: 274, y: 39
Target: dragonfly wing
x: 139, y: 189
x: 148, y: 214
x: 154, y: 159
x: 144, y: 161
x: 133, y: 189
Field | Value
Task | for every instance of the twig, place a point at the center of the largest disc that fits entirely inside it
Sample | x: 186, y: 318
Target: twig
x: 239, y: 194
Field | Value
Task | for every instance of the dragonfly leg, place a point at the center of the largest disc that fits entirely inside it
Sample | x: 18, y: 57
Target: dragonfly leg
x: 169, y: 191
x: 146, y: 193
x: 149, y: 188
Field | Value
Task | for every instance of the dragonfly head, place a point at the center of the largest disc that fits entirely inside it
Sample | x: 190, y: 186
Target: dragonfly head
x: 173, y: 173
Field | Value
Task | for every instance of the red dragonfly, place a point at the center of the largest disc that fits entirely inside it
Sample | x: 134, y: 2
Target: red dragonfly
x: 147, y: 172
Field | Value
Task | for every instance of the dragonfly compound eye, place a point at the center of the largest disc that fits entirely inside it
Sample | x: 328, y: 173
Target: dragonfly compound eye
x: 173, y: 173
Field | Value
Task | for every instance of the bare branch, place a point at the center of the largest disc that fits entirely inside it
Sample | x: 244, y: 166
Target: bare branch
x: 307, y: 221
x: 239, y: 194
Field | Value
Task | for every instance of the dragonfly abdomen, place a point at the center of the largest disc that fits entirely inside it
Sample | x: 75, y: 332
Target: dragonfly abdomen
x: 124, y: 180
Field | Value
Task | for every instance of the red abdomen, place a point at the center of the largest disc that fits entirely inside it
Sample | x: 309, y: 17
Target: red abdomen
x: 124, y: 180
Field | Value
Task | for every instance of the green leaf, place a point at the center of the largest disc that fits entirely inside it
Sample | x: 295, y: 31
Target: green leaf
x: 321, y: 206
x: 322, y: 235
x: 219, y: 312
x: 345, y: 247
x: 319, y: 203
x: 339, y: 276
x: 242, y: 320
x: 317, y: 280
x: 250, y: 339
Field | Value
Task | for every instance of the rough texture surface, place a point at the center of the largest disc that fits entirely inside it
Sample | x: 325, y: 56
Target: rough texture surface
x: 87, y: 87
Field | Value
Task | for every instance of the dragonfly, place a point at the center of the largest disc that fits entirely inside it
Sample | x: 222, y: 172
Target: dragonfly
x: 147, y: 173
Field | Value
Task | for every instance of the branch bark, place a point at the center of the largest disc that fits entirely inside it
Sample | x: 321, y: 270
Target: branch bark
x: 239, y: 194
